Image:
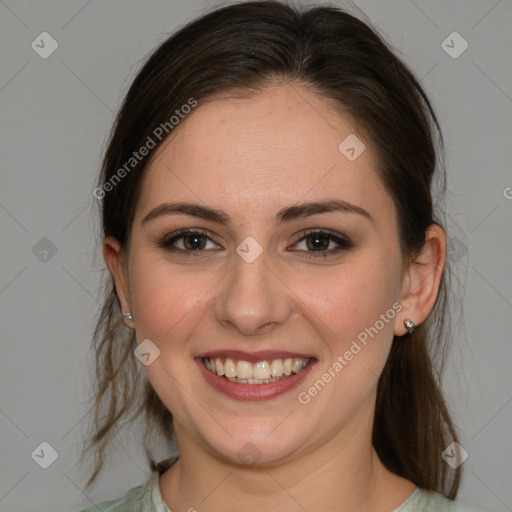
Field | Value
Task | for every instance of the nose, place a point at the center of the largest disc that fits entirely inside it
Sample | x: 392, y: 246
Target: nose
x: 253, y: 298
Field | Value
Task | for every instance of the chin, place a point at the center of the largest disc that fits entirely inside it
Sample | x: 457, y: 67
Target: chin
x: 256, y: 446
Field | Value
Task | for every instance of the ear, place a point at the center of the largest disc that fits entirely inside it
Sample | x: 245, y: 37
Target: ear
x: 115, y: 259
x: 422, y: 278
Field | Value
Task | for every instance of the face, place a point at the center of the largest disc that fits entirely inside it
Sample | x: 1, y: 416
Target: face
x: 266, y: 275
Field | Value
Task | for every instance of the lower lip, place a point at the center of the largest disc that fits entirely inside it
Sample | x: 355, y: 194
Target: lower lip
x: 240, y: 391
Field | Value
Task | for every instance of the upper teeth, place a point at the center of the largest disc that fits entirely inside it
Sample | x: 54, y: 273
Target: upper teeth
x: 260, y: 370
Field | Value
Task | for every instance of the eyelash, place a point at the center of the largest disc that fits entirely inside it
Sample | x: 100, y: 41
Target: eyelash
x: 343, y: 242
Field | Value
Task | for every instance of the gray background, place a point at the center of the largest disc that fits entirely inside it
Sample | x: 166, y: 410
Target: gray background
x: 56, y: 113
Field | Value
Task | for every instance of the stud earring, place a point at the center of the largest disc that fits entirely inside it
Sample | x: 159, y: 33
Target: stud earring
x: 128, y: 316
x: 409, y: 325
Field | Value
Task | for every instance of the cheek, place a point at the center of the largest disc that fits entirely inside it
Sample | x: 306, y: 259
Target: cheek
x: 354, y: 301
x: 168, y: 304
x: 354, y: 310
x: 352, y: 295
x: 166, y: 300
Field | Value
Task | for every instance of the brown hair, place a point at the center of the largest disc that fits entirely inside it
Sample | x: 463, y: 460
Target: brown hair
x: 241, y: 48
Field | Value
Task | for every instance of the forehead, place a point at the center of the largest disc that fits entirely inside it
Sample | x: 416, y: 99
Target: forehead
x: 255, y: 155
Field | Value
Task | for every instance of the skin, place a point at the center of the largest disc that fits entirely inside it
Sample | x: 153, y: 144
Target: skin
x: 252, y: 157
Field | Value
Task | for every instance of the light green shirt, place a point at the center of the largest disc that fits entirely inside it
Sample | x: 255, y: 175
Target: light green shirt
x: 148, y: 499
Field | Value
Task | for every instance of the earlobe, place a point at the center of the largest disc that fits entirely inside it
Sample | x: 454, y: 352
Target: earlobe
x: 422, y: 279
x: 114, y: 259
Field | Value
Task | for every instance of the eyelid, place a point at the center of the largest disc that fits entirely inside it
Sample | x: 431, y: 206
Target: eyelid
x: 322, y: 231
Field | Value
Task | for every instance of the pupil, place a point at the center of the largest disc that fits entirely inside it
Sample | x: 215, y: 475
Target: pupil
x: 319, y: 242
x: 193, y: 241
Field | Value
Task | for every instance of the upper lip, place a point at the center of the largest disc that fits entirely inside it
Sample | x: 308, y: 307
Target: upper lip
x: 254, y: 357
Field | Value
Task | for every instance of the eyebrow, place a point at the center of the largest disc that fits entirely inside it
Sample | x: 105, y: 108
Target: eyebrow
x: 284, y: 215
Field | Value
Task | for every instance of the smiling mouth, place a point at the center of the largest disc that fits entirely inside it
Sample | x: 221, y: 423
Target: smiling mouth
x: 261, y: 372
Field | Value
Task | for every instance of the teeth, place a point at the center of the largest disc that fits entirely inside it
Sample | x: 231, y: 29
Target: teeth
x: 254, y: 381
x: 243, y: 370
x: 261, y: 372
x: 229, y: 368
x: 276, y: 368
x: 219, y: 367
x: 296, y: 366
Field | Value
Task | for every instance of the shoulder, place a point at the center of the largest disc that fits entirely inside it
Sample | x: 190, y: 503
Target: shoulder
x: 422, y: 500
x: 130, y: 502
x: 137, y: 499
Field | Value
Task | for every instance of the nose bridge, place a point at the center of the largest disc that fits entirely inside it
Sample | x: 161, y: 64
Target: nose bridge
x: 253, y: 296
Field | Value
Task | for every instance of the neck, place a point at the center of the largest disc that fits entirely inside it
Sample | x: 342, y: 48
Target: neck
x: 343, y: 474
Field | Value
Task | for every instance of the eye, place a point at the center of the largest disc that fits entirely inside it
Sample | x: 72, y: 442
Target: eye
x: 321, y: 243
x: 314, y: 243
x: 189, y: 240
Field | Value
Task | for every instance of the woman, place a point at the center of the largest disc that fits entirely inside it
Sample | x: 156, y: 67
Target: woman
x: 270, y: 234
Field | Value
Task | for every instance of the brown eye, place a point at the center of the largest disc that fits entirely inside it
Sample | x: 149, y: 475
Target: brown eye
x: 322, y: 244
x: 194, y: 242
x: 188, y: 240
x: 318, y: 242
